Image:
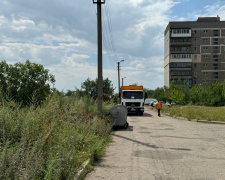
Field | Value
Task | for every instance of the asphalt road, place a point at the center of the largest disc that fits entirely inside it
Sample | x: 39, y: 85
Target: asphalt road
x: 163, y: 148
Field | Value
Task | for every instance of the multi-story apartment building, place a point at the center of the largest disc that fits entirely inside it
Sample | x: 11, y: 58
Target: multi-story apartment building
x: 194, y: 51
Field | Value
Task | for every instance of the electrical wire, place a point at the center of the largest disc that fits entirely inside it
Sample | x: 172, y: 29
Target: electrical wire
x: 107, y: 36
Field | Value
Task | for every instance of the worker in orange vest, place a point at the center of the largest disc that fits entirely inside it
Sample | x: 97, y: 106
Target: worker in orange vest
x: 159, y: 107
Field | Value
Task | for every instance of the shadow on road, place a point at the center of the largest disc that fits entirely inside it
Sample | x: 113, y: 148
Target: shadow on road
x: 135, y: 114
x: 138, y: 142
x: 121, y: 128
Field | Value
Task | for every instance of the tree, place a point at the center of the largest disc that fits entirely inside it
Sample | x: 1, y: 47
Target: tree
x: 70, y: 93
x: 25, y: 83
x: 90, y: 87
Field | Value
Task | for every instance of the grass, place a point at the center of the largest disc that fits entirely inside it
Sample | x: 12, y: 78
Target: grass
x: 52, y: 141
x: 197, y: 112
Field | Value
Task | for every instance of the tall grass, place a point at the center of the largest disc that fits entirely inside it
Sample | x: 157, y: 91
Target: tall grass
x: 52, y: 141
x: 197, y: 112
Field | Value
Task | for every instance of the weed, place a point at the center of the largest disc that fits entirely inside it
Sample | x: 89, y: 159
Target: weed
x: 51, y: 141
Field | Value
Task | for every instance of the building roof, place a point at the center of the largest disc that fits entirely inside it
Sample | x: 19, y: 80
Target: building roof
x: 202, y: 22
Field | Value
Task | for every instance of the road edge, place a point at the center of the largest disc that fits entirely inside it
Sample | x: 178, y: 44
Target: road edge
x: 195, y: 120
x: 84, y: 170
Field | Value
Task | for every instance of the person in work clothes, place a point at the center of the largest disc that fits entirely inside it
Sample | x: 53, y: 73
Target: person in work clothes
x: 159, y: 107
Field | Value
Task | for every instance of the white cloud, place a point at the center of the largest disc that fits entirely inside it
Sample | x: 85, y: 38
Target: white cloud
x: 63, y: 37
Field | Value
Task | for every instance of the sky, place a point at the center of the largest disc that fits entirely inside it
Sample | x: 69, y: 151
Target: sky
x: 62, y: 36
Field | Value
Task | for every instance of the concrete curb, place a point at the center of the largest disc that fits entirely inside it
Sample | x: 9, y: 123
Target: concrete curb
x: 81, y: 173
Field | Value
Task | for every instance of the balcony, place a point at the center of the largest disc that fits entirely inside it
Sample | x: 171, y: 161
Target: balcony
x: 179, y: 77
x: 181, y: 32
x: 180, y: 51
x: 180, y: 43
x: 181, y: 68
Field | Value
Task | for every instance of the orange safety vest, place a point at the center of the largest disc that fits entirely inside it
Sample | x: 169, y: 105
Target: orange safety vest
x: 158, y: 105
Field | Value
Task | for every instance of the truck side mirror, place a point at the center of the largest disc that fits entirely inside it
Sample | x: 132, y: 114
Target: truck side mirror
x: 146, y: 95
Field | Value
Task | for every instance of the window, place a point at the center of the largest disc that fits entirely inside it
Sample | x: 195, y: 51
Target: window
x: 205, y: 65
x: 180, y: 65
x: 205, y: 47
x: 195, y: 40
x: 195, y: 49
x: 205, y: 31
x: 215, y: 66
x: 215, y: 49
x: 205, y: 56
x: 215, y: 32
x: 195, y: 32
x: 181, y: 56
x: 215, y: 41
x: 180, y: 73
x: 205, y: 39
x: 180, y: 31
x: 195, y: 74
x: 184, y: 49
x: 195, y: 57
x: 216, y: 75
x: 195, y: 65
x: 215, y: 58
x: 205, y: 73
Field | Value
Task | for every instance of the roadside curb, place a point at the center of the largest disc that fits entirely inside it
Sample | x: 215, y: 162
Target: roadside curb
x: 82, y: 173
x: 196, y: 120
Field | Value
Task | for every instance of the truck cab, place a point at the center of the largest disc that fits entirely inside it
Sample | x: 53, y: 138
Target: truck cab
x: 133, y: 98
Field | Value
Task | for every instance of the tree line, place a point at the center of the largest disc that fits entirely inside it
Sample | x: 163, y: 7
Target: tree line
x: 203, y: 94
x: 29, y: 83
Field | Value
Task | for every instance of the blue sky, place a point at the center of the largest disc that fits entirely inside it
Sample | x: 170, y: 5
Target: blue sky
x: 62, y: 36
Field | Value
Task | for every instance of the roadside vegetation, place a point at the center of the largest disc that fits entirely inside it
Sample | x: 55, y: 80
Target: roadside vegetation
x: 201, y: 102
x: 196, y: 112
x: 50, y: 141
x: 47, y: 134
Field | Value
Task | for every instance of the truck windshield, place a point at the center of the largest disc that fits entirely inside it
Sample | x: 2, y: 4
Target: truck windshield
x: 133, y: 95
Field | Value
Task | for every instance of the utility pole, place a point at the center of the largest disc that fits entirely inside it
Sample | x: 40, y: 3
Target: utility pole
x: 122, y: 80
x: 119, y: 80
x: 100, y: 79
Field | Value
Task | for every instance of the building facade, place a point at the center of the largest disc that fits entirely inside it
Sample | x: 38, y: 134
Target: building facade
x: 194, y: 51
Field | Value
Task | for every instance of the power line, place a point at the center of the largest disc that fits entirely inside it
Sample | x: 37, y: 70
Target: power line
x: 110, y: 30
x: 106, y: 43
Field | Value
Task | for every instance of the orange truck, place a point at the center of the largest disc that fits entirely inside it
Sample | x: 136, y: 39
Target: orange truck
x: 133, y: 98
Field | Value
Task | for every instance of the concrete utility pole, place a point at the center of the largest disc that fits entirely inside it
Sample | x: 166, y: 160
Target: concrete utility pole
x: 119, y: 79
x: 100, y: 78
